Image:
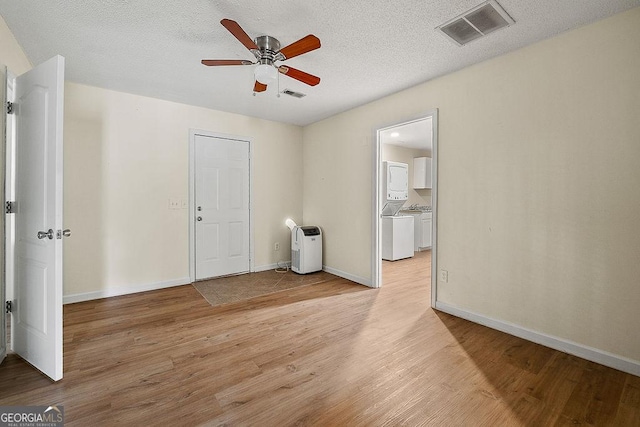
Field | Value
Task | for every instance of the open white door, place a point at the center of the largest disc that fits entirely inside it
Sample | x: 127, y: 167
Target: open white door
x: 222, y: 232
x: 36, y: 322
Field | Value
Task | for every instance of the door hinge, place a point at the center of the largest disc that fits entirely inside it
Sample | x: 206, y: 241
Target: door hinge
x: 9, y: 107
x: 8, y: 306
x: 10, y: 207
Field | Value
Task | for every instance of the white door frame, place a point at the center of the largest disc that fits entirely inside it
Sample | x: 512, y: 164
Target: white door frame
x: 9, y: 194
x: 376, y: 253
x: 6, y: 294
x: 192, y: 195
x: 9, y: 188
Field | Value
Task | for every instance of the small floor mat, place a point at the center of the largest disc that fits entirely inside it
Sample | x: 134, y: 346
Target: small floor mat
x: 227, y: 290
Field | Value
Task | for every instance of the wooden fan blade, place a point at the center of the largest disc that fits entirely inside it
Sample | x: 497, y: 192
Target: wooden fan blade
x: 237, y: 31
x: 307, y: 78
x: 259, y: 87
x: 304, y: 45
x: 215, y: 62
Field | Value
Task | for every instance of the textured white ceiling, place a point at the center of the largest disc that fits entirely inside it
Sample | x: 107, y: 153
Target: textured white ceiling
x: 416, y: 135
x: 369, y: 48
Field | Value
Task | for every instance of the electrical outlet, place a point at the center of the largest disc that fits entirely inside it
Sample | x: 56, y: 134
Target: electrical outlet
x: 174, y: 203
x: 276, y: 246
x: 444, y: 276
x: 184, y: 203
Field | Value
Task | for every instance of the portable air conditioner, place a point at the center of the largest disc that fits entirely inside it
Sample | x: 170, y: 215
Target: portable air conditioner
x: 306, y: 249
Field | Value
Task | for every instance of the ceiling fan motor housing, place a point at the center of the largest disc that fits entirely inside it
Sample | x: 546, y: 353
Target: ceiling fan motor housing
x: 269, y: 47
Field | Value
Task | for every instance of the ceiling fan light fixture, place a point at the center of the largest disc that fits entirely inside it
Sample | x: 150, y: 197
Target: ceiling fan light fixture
x: 266, y: 74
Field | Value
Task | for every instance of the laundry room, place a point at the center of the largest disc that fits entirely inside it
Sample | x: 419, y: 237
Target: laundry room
x: 406, y: 224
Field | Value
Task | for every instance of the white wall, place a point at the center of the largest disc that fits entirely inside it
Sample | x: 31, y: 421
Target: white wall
x: 394, y: 153
x: 126, y: 155
x: 539, y: 183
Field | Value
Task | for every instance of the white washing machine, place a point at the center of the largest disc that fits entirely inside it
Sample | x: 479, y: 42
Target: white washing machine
x: 397, y: 237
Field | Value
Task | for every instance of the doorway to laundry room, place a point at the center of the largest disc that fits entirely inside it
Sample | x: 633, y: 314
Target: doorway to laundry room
x: 406, y: 199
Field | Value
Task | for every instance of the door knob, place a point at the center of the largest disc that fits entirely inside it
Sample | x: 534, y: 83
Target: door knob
x: 43, y: 234
x: 199, y: 218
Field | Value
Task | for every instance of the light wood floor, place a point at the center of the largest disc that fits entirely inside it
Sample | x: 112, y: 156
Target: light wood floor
x: 333, y: 354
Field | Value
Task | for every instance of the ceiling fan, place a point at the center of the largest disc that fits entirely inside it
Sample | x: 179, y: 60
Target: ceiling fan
x: 267, y: 51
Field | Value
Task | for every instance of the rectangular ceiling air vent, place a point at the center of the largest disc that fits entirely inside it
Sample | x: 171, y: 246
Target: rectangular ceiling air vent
x: 477, y: 22
x: 293, y: 93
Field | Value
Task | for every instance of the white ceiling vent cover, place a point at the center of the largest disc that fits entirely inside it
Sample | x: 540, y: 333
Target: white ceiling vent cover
x: 477, y: 22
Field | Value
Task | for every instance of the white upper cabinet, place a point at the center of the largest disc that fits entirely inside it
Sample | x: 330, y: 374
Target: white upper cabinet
x: 421, y: 172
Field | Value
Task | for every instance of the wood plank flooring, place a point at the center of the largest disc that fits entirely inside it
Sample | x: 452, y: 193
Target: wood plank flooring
x: 332, y: 354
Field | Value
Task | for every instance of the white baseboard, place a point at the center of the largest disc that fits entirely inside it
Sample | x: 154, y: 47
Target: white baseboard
x: 593, y: 354
x: 348, y: 276
x: 344, y: 275
x: 114, y: 292
x: 270, y: 266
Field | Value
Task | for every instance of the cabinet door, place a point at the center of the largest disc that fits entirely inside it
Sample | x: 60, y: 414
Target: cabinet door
x: 426, y: 232
x: 417, y: 232
x: 421, y: 173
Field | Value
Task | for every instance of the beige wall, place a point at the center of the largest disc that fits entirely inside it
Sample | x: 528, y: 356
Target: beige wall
x: 11, y: 54
x: 127, y: 155
x: 406, y: 155
x: 539, y: 183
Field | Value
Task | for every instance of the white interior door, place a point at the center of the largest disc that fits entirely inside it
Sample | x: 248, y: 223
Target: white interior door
x: 221, y: 206
x: 36, y: 322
